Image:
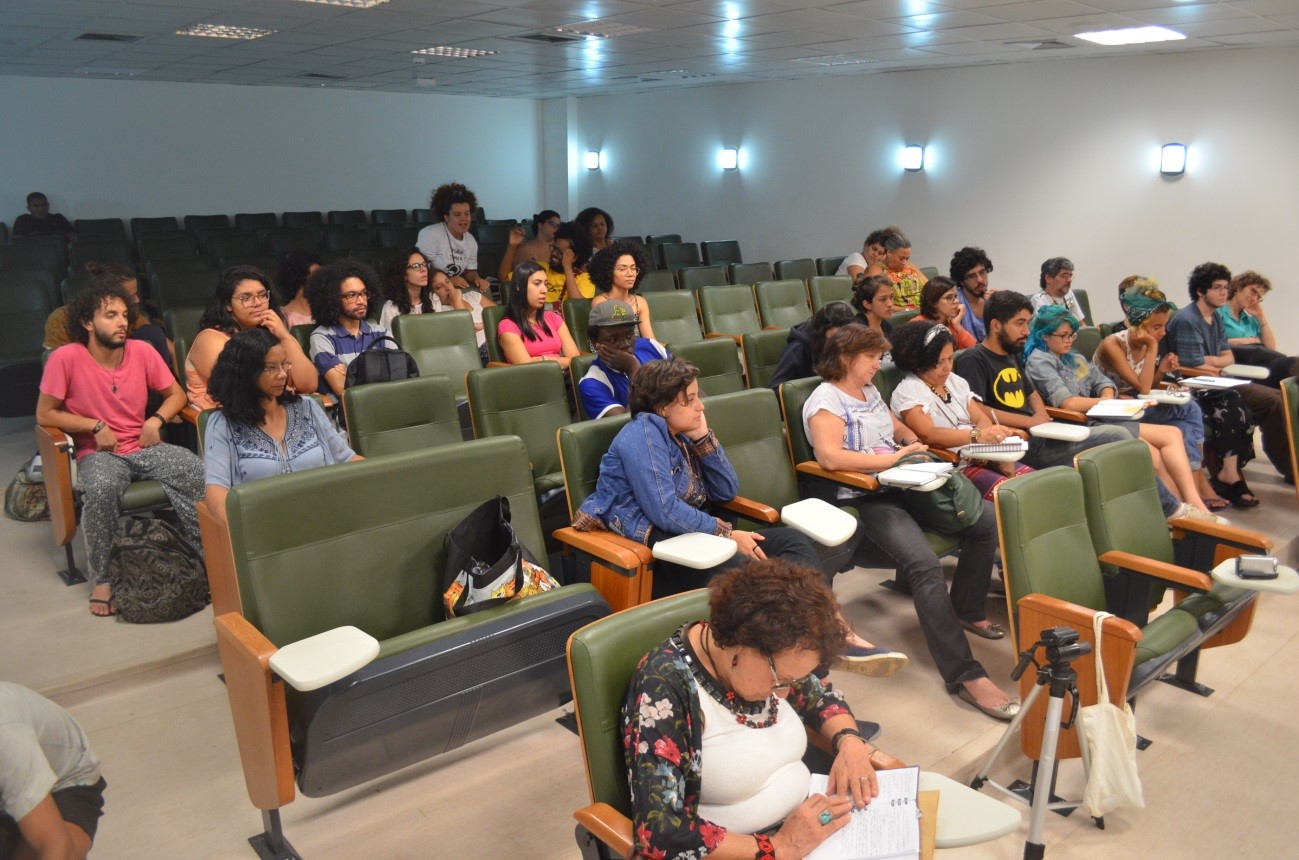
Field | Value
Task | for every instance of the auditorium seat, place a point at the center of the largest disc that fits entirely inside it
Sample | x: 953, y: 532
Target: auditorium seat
x: 728, y: 312
x: 782, y: 304
x: 353, y: 217
x: 656, y: 282
x: 302, y: 220
x: 824, y: 289
x: 803, y: 268
x: 27, y: 304
x: 388, y: 216
x: 403, y: 415
x: 250, y: 221
x: 718, y: 362
x: 721, y: 253
x: 677, y: 255
x: 101, y: 229
x: 828, y: 265
x: 674, y: 316
x: 762, y: 351
x: 695, y: 278
x: 194, y: 223
x: 748, y: 273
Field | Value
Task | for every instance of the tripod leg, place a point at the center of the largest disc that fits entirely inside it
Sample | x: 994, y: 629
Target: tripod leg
x: 1011, y: 731
x: 1034, y: 847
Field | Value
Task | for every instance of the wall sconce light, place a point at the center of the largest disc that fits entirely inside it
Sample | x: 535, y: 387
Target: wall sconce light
x: 912, y: 158
x: 592, y: 159
x: 728, y: 159
x: 1172, y: 159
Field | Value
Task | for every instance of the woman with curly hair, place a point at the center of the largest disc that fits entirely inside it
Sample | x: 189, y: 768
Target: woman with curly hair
x: 896, y: 266
x: 597, y: 224
x: 616, y: 271
x: 296, y: 268
x: 872, y: 251
x: 448, y: 243
x: 566, y: 275
x: 263, y: 427
x: 520, y: 250
x: 245, y: 299
x: 744, y: 685
x: 406, y: 286
x: 529, y: 332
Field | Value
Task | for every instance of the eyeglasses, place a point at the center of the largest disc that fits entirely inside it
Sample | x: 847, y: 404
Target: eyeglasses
x: 276, y: 369
x: 974, y: 274
x: 247, y: 300
x: 778, y: 685
x: 624, y: 270
x: 356, y: 296
x: 418, y: 267
x: 1067, y: 337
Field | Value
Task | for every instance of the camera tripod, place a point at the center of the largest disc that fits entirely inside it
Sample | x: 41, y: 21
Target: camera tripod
x: 1062, y: 648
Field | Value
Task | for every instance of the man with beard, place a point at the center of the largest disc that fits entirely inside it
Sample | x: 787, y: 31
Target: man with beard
x: 970, y: 268
x: 339, y: 295
x: 95, y: 388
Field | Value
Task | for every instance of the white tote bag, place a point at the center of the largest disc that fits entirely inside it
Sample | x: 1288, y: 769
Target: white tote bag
x: 1111, y: 734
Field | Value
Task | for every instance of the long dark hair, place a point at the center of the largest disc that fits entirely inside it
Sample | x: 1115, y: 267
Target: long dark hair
x: 517, y: 310
x: 234, y: 378
x: 218, y: 316
x: 394, y: 282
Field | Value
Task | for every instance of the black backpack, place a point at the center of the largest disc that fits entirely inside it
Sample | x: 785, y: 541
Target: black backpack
x: 377, y: 364
x: 157, y: 575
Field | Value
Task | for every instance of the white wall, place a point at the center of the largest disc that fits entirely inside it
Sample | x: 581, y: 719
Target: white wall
x: 137, y: 148
x: 1029, y: 161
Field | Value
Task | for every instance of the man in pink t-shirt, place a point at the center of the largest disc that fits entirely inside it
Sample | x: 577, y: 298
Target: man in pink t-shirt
x: 96, y: 389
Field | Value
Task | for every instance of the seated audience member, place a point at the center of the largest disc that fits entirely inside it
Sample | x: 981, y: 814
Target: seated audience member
x: 743, y: 685
x: 340, y: 299
x: 406, y: 287
x: 448, y: 244
x: 95, y: 389
x: 529, y: 332
x: 806, y: 341
x: 244, y: 299
x: 969, y: 269
x: 1248, y: 331
x: 616, y: 271
x: 297, y: 268
x: 938, y: 406
x: 664, y: 467
x: 138, y: 327
x: 1055, y: 283
x: 566, y: 275
x: 896, y: 265
x: 51, y: 786
x: 1197, y: 335
x: 598, y: 225
x: 523, y: 250
x: 850, y: 428
x: 447, y: 296
x: 612, y: 332
x: 1143, y: 283
x: 872, y: 251
x: 263, y: 427
x: 939, y: 303
x: 39, y: 221
x: 1130, y: 358
x: 872, y: 298
x: 1066, y: 380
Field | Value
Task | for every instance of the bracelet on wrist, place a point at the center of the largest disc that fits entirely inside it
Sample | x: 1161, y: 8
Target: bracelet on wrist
x: 161, y: 420
x: 840, y: 735
x: 99, y: 425
x: 766, y: 851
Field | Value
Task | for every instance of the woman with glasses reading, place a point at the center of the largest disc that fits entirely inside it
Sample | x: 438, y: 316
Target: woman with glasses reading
x: 264, y: 428
x: 616, y: 271
x: 245, y: 299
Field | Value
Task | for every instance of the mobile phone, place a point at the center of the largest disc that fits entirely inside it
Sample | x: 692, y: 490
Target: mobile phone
x: 1256, y: 567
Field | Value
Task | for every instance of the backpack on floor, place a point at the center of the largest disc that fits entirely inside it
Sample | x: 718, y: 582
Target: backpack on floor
x: 25, y: 498
x: 157, y: 575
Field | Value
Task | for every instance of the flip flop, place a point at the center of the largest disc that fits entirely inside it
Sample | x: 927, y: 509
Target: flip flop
x: 112, y: 608
x: 1216, y: 503
x: 1235, y: 493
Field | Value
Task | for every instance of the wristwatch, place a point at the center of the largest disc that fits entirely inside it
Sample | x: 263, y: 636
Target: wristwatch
x: 94, y: 431
x: 974, y: 434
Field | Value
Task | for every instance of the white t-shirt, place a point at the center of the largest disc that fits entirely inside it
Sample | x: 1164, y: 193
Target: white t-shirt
x: 451, y: 255
x: 390, y: 312
x: 1042, y: 298
x: 912, y: 392
x: 868, y: 425
x: 42, y: 749
x: 850, y: 260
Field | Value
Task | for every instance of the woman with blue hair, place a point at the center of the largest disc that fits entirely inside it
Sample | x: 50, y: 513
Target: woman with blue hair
x: 1066, y: 380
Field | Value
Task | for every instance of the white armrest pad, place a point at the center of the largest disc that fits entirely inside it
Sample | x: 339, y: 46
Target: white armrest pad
x: 1286, y: 582
x: 1060, y: 431
x: 316, y: 661
x: 966, y: 817
x: 696, y: 549
x: 1245, y: 371
x: 820, y: 520
x: 1163, y: 395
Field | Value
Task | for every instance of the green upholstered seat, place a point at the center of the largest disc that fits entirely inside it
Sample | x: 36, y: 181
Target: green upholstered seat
x: 183, y: 321
x: 405, y: 415
x: 576, y: 314
x: 288, y: 239
x: 195, y: 223
x: 184, y: 289
x: 729, y: 311
x: 748, y: 273
x: 721, y: 253
x: 100, y: 228
x: 576, y: 370
x: 803, y: 269
x: 886, y: 379
x: 527, y: 401
x: 674, y: 315
x: 442, y: 344
x: 1088, y: 339
x: 901, y: 318
x: 656, y: 282
x: 676, y: 255
x: 48, y: 279
x: 782, y: 304
x: 1290, y: 402
x: 27, y: 304
x: 828, y: 265
x: 762, y: 351
x: 930, y: 272
x: 389, y: 216
x: 824, y: 289
x: 696, y: 278
x: 1085, y: 303
x: 492, y: 317
x: 718, y: 363
x: 581, y: 445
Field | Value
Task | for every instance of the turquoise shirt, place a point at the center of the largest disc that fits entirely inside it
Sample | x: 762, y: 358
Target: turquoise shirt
x: 1246, y: 326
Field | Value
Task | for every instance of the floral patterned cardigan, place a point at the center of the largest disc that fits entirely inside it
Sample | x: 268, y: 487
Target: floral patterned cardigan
x: 662, y: 733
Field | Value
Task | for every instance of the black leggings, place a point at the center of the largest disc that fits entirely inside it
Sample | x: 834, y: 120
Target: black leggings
x: 778, y: 542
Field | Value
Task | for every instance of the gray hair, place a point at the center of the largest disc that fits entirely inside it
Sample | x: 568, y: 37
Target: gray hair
x: 895, y: 240
x: 1053, y: 267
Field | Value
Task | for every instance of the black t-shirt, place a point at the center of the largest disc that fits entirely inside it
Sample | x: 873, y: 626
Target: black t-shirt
x: 998, y: 379
x: 26, y: 225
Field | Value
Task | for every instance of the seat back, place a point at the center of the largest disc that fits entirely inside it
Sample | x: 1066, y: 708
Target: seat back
x: 1086, y: 304
x: 177, y: 245
x: 901, y: 318
x: 581, y: 446
x: 492, y: 317
x: 601, y: 660
x: 26, y: 307
x: 718, y: 363
x: 576, y: 313
x: 748, y: 425
x: 930, y: 272
x: 829, y: 288
x: 100, y: 228
x: 12, y: 279
x: 695, y: 278
x: 721, y: 253
x: 423, y: 216
x: 182, y: 322
x: 729, y: 310
x: 1122, y: 504
x: 803, y: 268
x: 524, y: 400
x: 302, y: 219
x: 162, y: 224
x: 396, y: 235
x: 184, y: 289
x: 84, y: 251
x: 793, y: 395
x: 242, y: 248
x: 886, y: 379
x: 442, y: 344
x: 676, y: 255
x: 347, y: 238
x: 656, y: 282
x: 388, y: 216
x: 1290, y: 404
x: 34, y: 255
x: 346, y: 216
x: 1088, y: 339
x: 828, y: 265
x: 654, y: 240
x: 782, y: 304
x: 577, y: 369
x: 253, y: 220
x: 748, y: 273
x: 674, y: 315
x: 404, y: 415
x: 194, y: 223
x: 762, y: 351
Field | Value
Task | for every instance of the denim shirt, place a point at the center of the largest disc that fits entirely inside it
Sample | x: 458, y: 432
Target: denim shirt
x: 644, y: 479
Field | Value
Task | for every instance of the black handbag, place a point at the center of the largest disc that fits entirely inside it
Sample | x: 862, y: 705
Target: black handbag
x: 378, y: 364
x: 485, y: 563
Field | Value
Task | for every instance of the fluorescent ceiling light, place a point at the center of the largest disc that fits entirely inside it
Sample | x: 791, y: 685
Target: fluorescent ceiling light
x: 601, y: 29
x: 222, y: 31
x: 1131, y: 36
x: 1172, y: 159
x: 455, y: 53
x: 355, y: 4
x: 835, y: 60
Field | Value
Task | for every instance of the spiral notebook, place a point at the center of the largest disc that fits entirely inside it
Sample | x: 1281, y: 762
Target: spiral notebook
x: 886, y: 828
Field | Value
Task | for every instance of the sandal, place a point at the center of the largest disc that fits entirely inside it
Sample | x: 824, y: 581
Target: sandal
x: 112, y: 607
x: 1216, y: 503
x: 1239, y: 493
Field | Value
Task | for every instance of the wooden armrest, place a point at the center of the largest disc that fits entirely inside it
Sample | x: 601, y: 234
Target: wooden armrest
x: 1075, y: 616
x: 945, y: 455
x: 1230, y: 534
x: 738, y: 338
x: 608, y: 825
x: 608, y: 547
x: 56, y: 449
x: 751, y: 509
x: 189, y: 414
x: 1161, y: 570
x: 1068, y: 415
x: 498, y: 364
x: 860, y: 480
x: 218, y: 558
x: 257, y: 706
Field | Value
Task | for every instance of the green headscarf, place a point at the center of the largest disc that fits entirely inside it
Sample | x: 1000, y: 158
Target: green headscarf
x: 1141, y: 300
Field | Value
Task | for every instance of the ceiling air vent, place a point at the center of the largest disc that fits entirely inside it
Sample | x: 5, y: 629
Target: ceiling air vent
x: 548, y: 37
x: 108, y: 37
x: 1038, y: 44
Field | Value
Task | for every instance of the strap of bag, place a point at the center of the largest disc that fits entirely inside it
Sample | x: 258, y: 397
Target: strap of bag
x: 1102, y: 689
x: 380, y: 339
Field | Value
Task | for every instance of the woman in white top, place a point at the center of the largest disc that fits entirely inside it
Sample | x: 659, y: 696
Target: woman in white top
x: 406, y: 287
x: 939, y: 406
x: 872, y: 251
x: 448, y: 296
x: 448, y: 244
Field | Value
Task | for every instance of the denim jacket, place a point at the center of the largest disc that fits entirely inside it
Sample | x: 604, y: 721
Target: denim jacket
x: 644, y: 478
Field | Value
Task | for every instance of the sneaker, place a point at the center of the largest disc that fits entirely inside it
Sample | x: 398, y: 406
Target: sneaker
x: 871, y: 662
x: 1194, y: 513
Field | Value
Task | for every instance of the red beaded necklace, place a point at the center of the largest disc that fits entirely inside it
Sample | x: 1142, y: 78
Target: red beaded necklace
x: 741, y: 708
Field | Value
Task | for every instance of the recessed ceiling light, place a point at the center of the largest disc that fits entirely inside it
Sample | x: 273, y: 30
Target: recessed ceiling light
x: 355, y: 4
x: 1131, y: 36
x: 456, y: 53
x: 223, y: 31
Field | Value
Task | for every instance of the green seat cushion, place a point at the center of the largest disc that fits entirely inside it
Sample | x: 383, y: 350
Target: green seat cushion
x: 1164, y: 634
x: 143, y: 494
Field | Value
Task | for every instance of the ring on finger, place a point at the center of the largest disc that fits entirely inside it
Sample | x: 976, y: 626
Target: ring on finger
x: 825, y: 817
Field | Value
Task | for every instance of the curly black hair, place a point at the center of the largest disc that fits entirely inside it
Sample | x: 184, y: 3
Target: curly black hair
x: 446, y: 196
x: 877, y: 237
x: 659, y: 383
x: 937, y: 287
x: 600, y: 268
x: 831, y: 316
x: 295, y: 268
x: 917, y: 345
x: 1203, y: 276
x: 587, y: 215
x: 1004, y: 304
x: 235, y: 377
x: 965, y: 259
x: 81, y: 310
x: 324, y: 289
x: 394, y: 282
x: 579, y: 238
x: 217, y: 314
x: 773, y: 606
